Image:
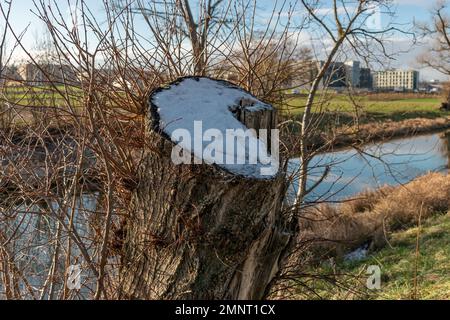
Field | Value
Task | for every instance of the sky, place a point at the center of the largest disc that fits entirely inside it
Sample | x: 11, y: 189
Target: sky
x: 407, y: 11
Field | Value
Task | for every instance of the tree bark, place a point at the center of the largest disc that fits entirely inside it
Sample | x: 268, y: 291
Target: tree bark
x: 200, y: 232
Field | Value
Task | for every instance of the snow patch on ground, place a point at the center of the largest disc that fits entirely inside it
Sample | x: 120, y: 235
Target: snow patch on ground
x: 211, y: 102
x: 358, y: 254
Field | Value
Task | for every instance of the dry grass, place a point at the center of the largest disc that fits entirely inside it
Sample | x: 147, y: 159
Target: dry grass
x: 389, y: 96
x: 352, y: 135
x: 389, y: 129
x: 379, y: 131
x: 369, y: 218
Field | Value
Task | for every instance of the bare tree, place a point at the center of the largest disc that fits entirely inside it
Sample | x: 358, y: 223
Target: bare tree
x: 346, y: 30
x: 71, y: 184
x: 178, y: 19
x: 437, y: 56
x: 343, y: 33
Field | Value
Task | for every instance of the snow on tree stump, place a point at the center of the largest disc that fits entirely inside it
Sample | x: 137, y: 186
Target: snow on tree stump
x: 203, y: 231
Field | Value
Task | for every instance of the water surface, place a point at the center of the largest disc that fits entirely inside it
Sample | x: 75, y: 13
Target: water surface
x: 389, y: 163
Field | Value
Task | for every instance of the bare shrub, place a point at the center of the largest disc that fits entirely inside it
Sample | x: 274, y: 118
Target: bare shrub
x: 77, y: 133
x: 372, y: 215
x: 77, y: 129
x: 429, y: 194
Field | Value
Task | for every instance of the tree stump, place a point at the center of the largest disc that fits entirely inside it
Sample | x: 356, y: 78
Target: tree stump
x: 202, y: 231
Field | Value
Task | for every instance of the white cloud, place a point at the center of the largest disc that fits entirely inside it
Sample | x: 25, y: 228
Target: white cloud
x: 418, y: 3
x: 330, y: 11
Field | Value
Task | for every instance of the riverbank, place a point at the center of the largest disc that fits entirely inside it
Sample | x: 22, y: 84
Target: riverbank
x: 357, y: 135
x: 380, y: 131
x: 416, y: 265
x: 369, y: 216
x: 341, y: 122
x: 380, y: 228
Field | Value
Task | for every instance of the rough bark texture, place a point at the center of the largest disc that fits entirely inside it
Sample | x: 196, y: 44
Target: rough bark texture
x: 198, y: 232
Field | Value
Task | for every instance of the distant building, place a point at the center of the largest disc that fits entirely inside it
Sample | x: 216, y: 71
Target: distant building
x: 353, y: 73
x: 45, y: 73
x: 348, y: 74
x: 335, y: 76
x: 432, y: 86
x: 396, y: 80
x: 30, y: 73
x: 365, y: 78
x: 338, y: 76
x: 10, y: 76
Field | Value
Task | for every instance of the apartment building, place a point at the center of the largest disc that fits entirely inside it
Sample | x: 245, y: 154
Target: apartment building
x: 353, y: 72
x: 45, y: 73
x: 398, y: 80
x: 365, y: 78
x: 335, y: 76
x: 347, y: 74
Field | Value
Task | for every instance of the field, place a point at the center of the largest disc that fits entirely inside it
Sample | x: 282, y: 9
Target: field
x: 22, y: 105
x: 371, y: 107
x: 28, y: 96
x: 340, y: 120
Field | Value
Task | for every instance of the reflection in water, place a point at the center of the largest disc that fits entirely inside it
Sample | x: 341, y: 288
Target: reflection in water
x: 394, y: 162
x: 446, y: 138
x: 31, y: 233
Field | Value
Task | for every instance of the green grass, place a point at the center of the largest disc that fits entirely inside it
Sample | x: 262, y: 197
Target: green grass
x: 397, y: 264
x: 370, y: 110
x: 44, y: 95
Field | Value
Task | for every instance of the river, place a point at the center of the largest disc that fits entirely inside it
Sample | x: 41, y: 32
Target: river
x: 393, y: 162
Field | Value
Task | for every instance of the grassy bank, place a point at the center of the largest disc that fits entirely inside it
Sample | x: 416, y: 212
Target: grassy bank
x: 386, y: 223
x: 379, y: 131
x: 343, y: 122
x: 415, y: 265
x: 425, y: 249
